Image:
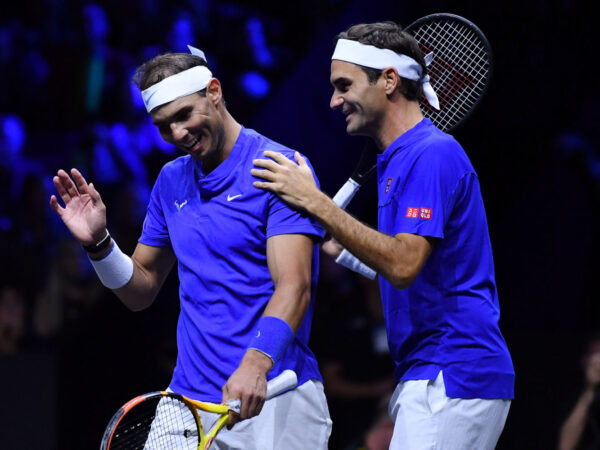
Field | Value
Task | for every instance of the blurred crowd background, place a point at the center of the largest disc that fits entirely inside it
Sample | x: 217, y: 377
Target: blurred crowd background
x: 70, y: 354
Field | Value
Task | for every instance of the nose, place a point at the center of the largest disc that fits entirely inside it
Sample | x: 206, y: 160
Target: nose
x: 178, y: 131
x: 336, y: 100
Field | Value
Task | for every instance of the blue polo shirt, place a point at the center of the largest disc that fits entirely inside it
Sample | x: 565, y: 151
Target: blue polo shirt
x: 448, y: 318
x: 218, y: 225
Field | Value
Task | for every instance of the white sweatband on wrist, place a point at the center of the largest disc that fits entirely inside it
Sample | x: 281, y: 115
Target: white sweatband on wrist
x: 115, y: 269
x: 351, y: 262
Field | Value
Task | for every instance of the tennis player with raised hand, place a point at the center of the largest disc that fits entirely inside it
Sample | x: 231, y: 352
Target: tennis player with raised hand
x: 432, y: 248
x: 247, y: 262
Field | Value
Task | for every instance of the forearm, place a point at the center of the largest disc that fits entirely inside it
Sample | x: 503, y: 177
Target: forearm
x: 289, y: 258
x: 282, y: 318
x: 276, y: 330
x: 391, y: 256
x: 387, y: 255
x: 289, y: 303
x: 135, y: 280
x: 574, y: 425
x: 141, y: 290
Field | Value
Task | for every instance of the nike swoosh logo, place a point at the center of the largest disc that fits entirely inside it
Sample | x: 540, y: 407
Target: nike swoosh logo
x: 151, y: 95
x: 231, y: 197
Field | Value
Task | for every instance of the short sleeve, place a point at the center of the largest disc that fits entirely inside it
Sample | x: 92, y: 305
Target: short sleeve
x: 421, y: 201
x: 285, y: 219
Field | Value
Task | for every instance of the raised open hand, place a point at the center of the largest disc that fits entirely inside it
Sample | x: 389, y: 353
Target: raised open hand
x: 84, y: 214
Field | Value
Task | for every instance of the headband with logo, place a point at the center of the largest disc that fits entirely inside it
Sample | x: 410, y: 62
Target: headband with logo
x: 179, y: 85
x: 380, y: 58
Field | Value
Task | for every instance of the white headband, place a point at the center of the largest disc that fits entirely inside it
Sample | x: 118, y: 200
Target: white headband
x: 381, y: 58
x: 179, y: 85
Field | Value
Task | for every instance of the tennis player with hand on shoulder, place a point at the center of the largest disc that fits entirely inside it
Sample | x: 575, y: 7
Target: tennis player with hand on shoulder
x: 247, y: 261
x: 432, y: 248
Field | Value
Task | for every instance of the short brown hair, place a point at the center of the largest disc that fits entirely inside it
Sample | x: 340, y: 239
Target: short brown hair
x: 389, y: 35
x: 163, y: 66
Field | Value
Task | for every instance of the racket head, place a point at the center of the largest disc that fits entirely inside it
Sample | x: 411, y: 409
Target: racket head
x: 178, y: 424
x: 131, y: 426
x: 461, y: 70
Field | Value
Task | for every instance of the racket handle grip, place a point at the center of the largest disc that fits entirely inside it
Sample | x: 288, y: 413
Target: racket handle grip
x: 346, y: 192
x: 284, y: 381
x: 351, y: 262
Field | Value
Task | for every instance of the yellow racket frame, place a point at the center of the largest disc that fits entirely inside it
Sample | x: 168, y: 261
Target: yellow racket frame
x: 218, y: 408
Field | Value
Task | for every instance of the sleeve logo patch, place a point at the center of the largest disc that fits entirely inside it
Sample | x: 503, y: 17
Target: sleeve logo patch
x: 412, y: 213
x: 416, y: 213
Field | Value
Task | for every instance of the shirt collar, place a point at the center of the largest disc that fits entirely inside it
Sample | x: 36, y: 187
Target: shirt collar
x: 405, y: 139
x: 224, y: 174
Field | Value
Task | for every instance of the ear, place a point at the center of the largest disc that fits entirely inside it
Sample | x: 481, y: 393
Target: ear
x: 391, y: 80
x: 213, y: 91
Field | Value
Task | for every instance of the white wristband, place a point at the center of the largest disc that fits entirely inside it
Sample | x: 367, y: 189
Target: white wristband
x: 115, y: 269
x: 351, y: 262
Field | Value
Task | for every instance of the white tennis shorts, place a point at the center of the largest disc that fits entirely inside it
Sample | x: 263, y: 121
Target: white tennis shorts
x: 425, y: 418
x: 298, y: 419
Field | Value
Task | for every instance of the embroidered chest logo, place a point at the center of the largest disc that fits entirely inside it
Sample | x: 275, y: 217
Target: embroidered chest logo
x: 180, y: 206
x: 231, y: 197
x: 387, y: 186
x: 416, y: 213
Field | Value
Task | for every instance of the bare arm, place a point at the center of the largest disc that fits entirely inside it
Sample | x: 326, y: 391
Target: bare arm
x: 398, y: 258
x: 151, y: 266
x: 84, y: 214
x: 289, y: 257
x: 573, y: 427
x: 290, y: 262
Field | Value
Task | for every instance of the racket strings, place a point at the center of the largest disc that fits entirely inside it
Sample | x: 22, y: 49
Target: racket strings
x: 158, y: 423
x: 464, y: 49
x: 459, y: 71
x: 456, y: 74
x: 457, y: 52
x: 461, y: 46
x: 174, y: 427
x: 133, y: 429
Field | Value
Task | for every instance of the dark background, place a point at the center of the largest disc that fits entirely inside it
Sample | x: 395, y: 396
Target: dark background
x: 78, y: 354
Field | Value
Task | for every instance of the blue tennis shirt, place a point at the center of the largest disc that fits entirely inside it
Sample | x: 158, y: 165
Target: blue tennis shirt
x: 218, y: 225
x: 448, y: 318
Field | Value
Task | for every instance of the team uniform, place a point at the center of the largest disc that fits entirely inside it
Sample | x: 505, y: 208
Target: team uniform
x: 443, y: 329
x: 218, y: 225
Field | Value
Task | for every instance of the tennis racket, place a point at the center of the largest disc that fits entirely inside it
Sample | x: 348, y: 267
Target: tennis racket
x: 165, y: 420
x: 460, y: 74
